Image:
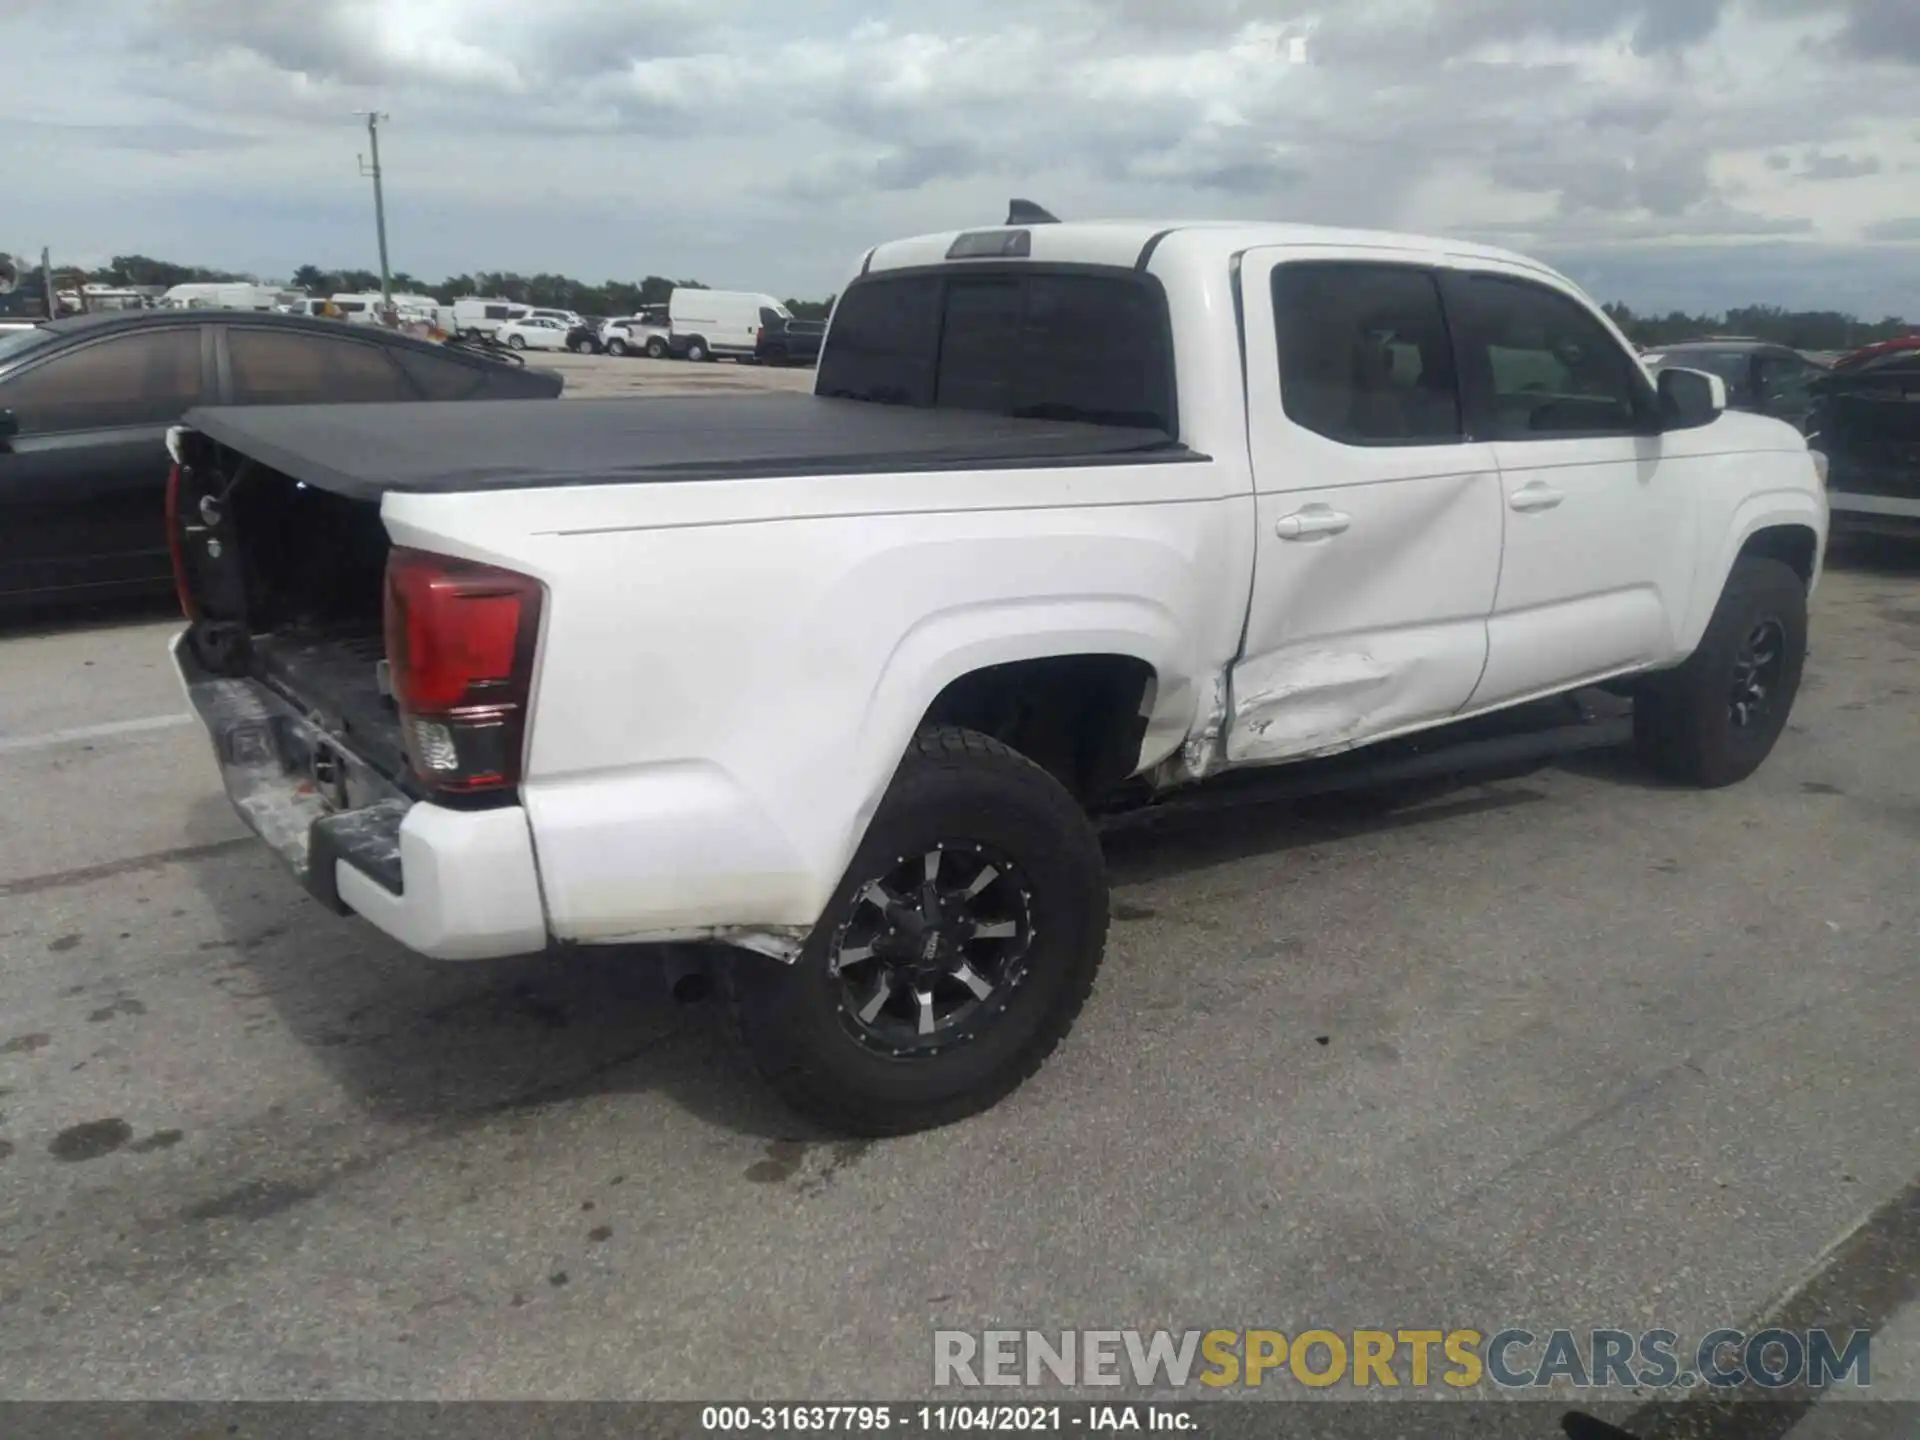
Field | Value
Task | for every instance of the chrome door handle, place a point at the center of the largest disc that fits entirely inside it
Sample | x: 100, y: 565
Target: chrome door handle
x: 1313, y: 520
x: 1536, y: 497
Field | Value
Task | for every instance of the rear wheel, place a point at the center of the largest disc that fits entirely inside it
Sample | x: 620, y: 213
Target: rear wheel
x: 1714, y: 721
x: 656, y: 348
x: 514, y: 342
x: 697, y: 351
x: 953, y: 958
x: 617, y: 346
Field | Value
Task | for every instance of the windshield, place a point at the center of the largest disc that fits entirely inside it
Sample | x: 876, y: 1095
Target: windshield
x: 16, y: 342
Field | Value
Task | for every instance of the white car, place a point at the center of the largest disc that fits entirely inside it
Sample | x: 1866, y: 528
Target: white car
x: 532, y: 332
x: 648, y: 334
x: 833, y: 682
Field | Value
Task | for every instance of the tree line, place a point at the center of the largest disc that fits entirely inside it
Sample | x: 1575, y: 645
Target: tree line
x: 1801, y: 329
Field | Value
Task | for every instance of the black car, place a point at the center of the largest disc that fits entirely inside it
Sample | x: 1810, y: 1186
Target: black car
x: 1765, y: 378
x: 785, y: 341
x: 1866, y: 421
x: 85, y: 404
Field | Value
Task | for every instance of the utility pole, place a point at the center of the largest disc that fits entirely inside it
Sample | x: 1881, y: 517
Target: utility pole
x: 374, y: 117
x: 46, y: 283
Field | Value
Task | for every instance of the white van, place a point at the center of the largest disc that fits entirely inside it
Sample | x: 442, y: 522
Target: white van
x: 227, y: 295
x: 704, y: 324
x: 482, y: 315
x: 362, y: 307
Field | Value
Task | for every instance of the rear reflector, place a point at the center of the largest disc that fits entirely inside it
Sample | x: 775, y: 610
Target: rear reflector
x: 460, y: 638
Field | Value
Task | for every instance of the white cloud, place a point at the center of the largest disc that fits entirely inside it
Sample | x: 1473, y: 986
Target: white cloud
x: 617, y: 137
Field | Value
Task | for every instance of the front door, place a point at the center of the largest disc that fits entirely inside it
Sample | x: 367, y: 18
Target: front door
x: 1378, y: 545
x: 1600, y: 521
x: 83, y: 484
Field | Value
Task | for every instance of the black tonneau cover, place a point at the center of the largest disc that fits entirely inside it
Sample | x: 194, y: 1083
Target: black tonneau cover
x: 362, y: 451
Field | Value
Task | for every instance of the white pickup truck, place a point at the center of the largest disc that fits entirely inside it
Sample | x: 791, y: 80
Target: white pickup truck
x: 832, y: 679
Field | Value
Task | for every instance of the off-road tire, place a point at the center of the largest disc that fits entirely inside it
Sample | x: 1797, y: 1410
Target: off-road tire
x: 952, y: 784
x: 1683, y: 724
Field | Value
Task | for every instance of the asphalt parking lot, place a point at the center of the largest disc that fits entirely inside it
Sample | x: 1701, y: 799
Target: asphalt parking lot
x: 1562, y: 1050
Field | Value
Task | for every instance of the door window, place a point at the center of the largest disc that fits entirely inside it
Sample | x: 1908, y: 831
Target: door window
x: 1365, y: 358
x: 148, y: 378
x: 272, y: 367
x: 1546, y: 366
x: 441, y: 379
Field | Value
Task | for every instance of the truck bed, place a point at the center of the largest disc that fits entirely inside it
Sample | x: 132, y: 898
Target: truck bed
x: 363, y: 451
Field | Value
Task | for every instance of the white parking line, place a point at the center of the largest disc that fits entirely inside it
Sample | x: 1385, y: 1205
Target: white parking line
x: 12, y: 743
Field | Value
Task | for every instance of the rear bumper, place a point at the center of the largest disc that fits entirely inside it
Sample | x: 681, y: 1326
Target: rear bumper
x: 450, y: 884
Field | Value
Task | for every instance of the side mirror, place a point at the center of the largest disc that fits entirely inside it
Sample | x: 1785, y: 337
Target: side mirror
x: 1689, y: 398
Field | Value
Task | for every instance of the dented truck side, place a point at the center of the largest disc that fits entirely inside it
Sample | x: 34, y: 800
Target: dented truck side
x: 1341, y: 489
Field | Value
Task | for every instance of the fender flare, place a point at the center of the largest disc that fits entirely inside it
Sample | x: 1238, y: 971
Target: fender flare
x: 1766, y: 510
x: 942, y: 647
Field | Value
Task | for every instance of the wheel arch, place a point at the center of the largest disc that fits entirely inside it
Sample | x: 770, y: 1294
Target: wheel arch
x: 1118, y: 662
x: 1785, y: 525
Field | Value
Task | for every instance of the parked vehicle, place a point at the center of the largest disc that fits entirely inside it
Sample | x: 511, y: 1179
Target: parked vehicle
x: 1898, y: 345
x: 784, y: 340
x: 708, y: 324
x: 85, y: 404
x: 1866, y: 420
x: 474, y: 316
x: 648, y: 333
x: 363, y: 307
x: 1074, y: 511
x: 1765, y: 378
x: 533, y: 332
x: 227, y: 295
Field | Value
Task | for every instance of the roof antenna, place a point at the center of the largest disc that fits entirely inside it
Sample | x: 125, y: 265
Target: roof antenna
x: 1025, y: 212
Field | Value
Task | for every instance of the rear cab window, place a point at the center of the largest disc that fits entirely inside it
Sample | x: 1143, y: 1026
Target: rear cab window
x: 1027, y: 341
x: 1365, y: 354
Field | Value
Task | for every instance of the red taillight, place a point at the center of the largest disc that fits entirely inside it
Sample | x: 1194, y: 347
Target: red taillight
x: 460, y: 639
x: 177, y: 547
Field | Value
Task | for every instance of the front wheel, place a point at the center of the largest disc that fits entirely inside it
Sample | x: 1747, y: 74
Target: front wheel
x: 1714, y: 721
x: 953, y: 958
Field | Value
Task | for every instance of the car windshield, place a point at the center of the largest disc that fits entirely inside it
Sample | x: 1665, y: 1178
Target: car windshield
x: 18, y: 342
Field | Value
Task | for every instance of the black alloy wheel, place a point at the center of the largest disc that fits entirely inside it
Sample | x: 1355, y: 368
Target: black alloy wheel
x: 930, y: 952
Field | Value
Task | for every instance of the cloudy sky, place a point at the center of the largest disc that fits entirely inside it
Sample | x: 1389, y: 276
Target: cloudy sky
x: 1692, y: 153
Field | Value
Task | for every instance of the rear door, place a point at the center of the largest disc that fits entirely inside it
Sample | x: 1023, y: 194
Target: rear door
x: 83, y: 485
x: 1379, y: 532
